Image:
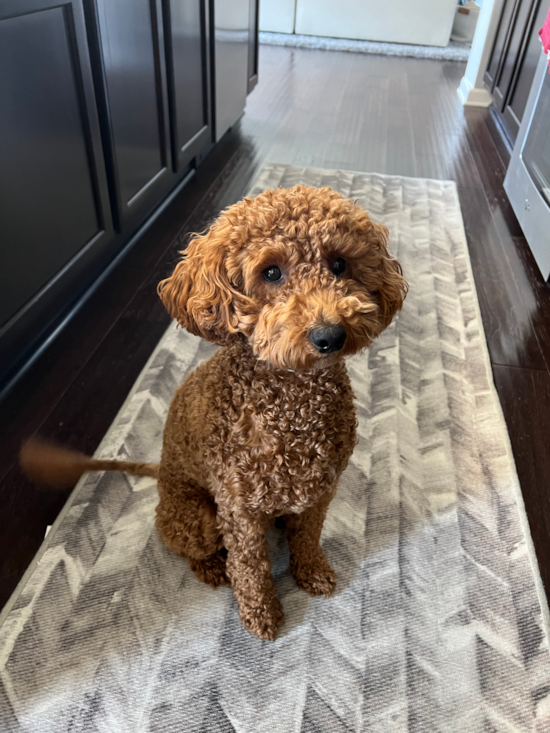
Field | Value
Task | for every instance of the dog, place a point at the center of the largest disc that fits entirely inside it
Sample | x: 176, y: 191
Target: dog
x: 289, y: 284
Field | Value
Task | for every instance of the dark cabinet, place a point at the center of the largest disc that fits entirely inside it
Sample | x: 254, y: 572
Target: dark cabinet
x: 499, y: 47
x: 519, y: 92
x: 187, y: 44
x: 105, y: 108
x: 154, y: 96
x: 513, y: 60
x: 54, y: 204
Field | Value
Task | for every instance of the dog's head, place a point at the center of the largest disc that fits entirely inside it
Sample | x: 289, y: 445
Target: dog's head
x: 302, y: 273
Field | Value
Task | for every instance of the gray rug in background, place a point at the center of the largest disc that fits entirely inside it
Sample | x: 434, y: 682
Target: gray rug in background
x: 436, y: 624
x: 453, y: 52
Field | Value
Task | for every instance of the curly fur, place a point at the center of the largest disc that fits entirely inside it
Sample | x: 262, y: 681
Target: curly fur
x: 267, y: 426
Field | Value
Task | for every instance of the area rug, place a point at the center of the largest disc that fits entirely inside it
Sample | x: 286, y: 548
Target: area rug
x: 454, y: 51
x: 438, y: 620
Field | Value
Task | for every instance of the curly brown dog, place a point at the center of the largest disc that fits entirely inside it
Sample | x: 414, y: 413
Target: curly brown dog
x: 289, y: 283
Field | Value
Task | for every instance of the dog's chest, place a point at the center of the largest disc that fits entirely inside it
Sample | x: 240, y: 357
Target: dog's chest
x: 289, y: 439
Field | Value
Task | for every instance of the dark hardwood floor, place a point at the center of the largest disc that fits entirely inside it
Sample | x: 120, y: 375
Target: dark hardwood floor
x: 310, y: 108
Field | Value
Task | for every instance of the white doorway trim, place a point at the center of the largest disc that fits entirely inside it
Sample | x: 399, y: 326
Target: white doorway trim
x: 472, y: 91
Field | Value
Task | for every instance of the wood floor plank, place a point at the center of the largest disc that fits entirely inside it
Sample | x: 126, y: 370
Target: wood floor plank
x: 491, y: 168
x: 538, y: 292
x: 525, y: 399
x: 508, y: 328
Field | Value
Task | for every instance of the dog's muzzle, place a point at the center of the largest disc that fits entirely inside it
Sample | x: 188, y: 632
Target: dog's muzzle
x: 328, y: 339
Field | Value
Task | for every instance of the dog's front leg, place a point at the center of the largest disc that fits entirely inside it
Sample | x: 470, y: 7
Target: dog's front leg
x: 308, y: 563
x: 249, y: 569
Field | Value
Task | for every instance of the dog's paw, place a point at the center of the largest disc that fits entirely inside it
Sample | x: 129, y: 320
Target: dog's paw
x: 263, y: 621
x: 211, y: 570
x: 316, y: 577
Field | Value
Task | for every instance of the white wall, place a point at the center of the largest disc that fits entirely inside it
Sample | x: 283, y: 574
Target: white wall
x: 277, y: 15
x: 424, y: 22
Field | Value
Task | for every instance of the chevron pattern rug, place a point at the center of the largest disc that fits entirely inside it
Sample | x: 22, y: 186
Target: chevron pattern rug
x: 437, y: 623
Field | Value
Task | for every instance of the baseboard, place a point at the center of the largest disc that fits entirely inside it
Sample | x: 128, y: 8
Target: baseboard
x: 471, y: 96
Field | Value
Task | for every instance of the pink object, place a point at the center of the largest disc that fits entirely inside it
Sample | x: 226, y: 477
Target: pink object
x: 544, y: 34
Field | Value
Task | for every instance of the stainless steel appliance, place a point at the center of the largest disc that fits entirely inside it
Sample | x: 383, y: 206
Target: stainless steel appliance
x: 231, y: 29
x: 527, y: 181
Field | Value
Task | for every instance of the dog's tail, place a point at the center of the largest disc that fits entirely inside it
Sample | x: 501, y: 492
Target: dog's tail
x: 60, y: 468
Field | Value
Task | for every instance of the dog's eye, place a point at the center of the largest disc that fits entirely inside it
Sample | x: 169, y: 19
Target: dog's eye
x: 339, y: 266
x: 272, y: 274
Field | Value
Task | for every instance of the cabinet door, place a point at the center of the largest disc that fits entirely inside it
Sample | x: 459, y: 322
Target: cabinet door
x: 54, y: 204
x: 134, y: 105
x: 509, y: 9
x: 513, y: 52
x: 186, y: 30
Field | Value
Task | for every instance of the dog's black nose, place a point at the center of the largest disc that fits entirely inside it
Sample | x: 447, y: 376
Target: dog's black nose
x: 328, y: 339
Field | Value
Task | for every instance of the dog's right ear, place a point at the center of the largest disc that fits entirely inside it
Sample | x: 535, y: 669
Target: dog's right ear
x: 198, y: 293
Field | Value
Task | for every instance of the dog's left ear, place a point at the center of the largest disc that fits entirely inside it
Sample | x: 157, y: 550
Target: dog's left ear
x: 394, y: 287
x: 199, y: 293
